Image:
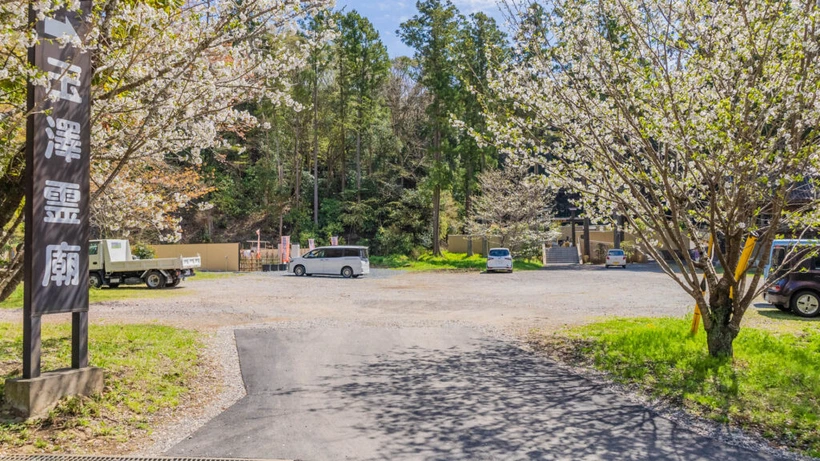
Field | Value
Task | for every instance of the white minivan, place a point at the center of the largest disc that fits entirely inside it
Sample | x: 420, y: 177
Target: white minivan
x: 347, y: 261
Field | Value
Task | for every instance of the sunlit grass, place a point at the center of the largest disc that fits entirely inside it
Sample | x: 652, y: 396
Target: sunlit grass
x: 773, y: 385
x: 148, y: 369
x: 97, y: 295
x: 447, y: 261
x: 203, y: 276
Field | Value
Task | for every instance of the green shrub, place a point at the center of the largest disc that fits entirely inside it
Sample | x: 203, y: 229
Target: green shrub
x: 143, y: 251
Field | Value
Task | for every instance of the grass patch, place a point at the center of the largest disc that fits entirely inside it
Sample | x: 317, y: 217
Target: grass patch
x: 447, y: 261
x: 98, y: 295
x: 15, y: 301
x: 201, y: 276
x: 149, y: 369
x: 772, y: 388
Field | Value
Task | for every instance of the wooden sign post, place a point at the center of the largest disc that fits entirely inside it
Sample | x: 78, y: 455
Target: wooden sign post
x: 58, y: 148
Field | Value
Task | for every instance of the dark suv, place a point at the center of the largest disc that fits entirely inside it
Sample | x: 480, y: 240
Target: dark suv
x: 799, y: 291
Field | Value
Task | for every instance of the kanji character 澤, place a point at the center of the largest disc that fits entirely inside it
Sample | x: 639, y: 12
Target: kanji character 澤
x: 63, y: 139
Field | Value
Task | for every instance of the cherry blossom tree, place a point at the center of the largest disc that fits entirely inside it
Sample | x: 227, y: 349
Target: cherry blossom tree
x: 691, y: 118
x: 169, y: 76
x: 515, y: 207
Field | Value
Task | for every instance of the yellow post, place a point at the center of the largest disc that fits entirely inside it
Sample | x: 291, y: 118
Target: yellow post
x: 744, y: 261
x: 696, y: 317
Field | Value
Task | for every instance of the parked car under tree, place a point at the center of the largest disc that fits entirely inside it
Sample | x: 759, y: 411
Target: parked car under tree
x: 499, y: 259
x: 798, y: 291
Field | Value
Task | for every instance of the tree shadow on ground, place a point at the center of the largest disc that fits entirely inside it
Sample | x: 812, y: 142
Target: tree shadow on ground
x: 500, y: 402
x: 775, y: 313
x: 632, y: 267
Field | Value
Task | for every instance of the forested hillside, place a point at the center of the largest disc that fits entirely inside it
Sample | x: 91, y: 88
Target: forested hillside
x: 213, y: 119
x: 368, y: 150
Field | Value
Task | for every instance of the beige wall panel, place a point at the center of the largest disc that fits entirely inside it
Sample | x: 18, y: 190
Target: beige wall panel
x: 218, y: 257
x: 458, y: 244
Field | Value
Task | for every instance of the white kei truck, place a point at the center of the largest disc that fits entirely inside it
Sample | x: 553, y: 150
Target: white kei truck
x: 110, y: 263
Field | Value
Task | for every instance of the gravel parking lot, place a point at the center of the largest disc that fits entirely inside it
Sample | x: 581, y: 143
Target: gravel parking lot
x: 510, y: 302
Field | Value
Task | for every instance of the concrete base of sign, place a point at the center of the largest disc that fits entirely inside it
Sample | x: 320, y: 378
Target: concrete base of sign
x: 34, y: 398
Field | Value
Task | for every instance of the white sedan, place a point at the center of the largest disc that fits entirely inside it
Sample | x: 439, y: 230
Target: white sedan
x: 615, y: 258
x: 499, y: 259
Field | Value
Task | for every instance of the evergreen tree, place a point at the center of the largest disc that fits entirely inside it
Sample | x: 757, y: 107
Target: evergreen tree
x: 433, y: 33
x: 364, y: 58
x: 482, y: 46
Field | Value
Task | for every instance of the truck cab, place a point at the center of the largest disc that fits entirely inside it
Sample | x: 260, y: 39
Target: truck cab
x: 111, y: 263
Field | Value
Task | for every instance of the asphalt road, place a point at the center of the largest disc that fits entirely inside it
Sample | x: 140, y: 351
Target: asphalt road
x: 452, y: 393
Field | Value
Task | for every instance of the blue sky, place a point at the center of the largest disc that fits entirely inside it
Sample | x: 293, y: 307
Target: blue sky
x: 386, y: 15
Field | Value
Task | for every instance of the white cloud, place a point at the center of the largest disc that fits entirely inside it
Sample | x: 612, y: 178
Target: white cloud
x: 390, y: 6
x: 471, y: 6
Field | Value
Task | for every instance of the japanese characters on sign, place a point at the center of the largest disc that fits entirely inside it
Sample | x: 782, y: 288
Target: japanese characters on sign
x: 58, y: 158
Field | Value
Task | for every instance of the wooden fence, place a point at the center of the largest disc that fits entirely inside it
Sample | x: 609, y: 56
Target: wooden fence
x: 269, y: 259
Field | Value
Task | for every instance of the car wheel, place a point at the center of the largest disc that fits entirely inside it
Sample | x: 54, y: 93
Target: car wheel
x: 783, y: 307
x: 94, y: 280
x: 347, y: 272
x: 176, y: 282
x: 624, y: 266
x: 299, y: 271
x: 155, y: 280
x: 806, y: 304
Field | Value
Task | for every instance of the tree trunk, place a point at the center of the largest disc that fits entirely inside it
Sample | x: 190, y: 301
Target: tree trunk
x: 298, y: 161
x: 437, y: 196
x: 316, y: 150
x: 358, y: 165
x: 720, y: 332
x: 468, y: 203
x: 343, y: 104
x: 436, y: 220
x: 719, y: 340
x: 12, y: 188
x: 13, y: 276
x: 343, y: 116
x: 343, y: 178
x: 359, y: 152
x: 12, y: 195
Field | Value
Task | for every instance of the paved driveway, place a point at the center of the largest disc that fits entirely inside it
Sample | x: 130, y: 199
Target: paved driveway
x: 367, y: 393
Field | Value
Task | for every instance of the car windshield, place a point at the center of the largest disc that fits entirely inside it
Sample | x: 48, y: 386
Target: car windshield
x: 498, y: 253
x: 616, y: 252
